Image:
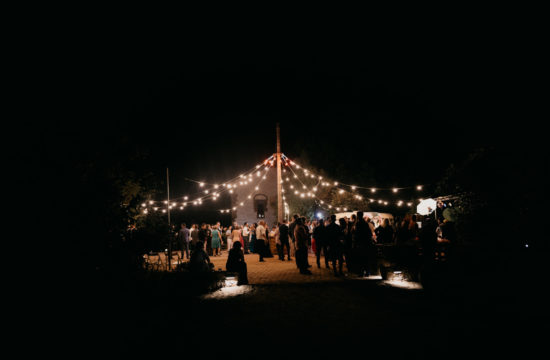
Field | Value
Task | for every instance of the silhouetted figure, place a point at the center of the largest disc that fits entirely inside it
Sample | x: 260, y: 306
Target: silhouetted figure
x: 301, y: 238
x: 321, y: 243
x: 384, y: 233
x: 291, y: 228
x: 334, y: 238
x: 284, y: 238
x: 200, y: 261
x: 428, y: 239
x: 194, y: 236
x: 235, y: 263
x: 363, y: 245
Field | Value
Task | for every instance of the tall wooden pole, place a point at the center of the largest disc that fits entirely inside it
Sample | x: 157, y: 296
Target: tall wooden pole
x: 279, y: 178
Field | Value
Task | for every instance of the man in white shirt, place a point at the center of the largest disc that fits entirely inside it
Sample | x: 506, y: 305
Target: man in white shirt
x: 246, y: 237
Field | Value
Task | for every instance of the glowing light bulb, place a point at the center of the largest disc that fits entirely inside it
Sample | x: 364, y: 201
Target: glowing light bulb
x: 322, y: 202
x: 385, y: 203
x: 242, y: 204
x: 166, y: 202
x: 337, y: 209
x: 353, y: 187
x: 336, y: 183
x: 201, y: 184
x: 145, y: 211
x: 194, y: 203
x: 302, y: 195
x: 394, y: 190
x: 304, y: 187
x: 151, y: 202
x: 235, y: 208
x: 320, y: 178
x: 185, y: 198
x: 263, y: 177
x: 144, y: 204
x: 250, y: 196
x: 231, y: 191
x: 181, y: 207
x: 163, y: 210
x: 345, y: 209
x: 330, y: 206
x: 409, y: 204
x: 419, y: 187
x: 206, y: 191
x: 216, y: 186
x: 373, y: 190
x: 341, y: 191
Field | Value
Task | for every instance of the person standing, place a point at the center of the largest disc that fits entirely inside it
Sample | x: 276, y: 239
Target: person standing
x: 194, y: 236
x: 291, y: 233
x: 284, y: 239
x: 229, y: 238
x: 320, y: 243
x: 183, y: 238
x: 363, y: 245
x: 246, y: 239
x: 216, y: 241
x: 277, y: 236
x: 301, y: 239
x: 260, y: 240
x: 253, y: 238
x: 203, y: 235
x: 209, y: 240
x: 236, y: 234
x: 333, y: 236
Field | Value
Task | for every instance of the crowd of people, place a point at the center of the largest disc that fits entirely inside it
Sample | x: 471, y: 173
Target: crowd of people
x: 346, y: 240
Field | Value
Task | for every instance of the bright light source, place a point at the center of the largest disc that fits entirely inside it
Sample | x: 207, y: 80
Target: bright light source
x: 353, y: 187
x: 341, y: 191
x: 336, y: 183
x: 419, y: 187
x: 201, y: 184
x: 319, y: 215
x: 373, y: 190
x: 394, y: 190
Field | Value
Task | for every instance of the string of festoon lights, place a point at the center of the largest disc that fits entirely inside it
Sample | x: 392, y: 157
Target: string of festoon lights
x: 214, y: 190
x: 343, y: 188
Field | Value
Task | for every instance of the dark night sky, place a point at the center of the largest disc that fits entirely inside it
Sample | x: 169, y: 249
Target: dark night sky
x: 211, y: 115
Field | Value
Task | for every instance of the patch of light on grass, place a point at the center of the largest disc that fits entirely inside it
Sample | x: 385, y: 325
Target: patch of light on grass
x: 402, y: 284
x: 228, y: 291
